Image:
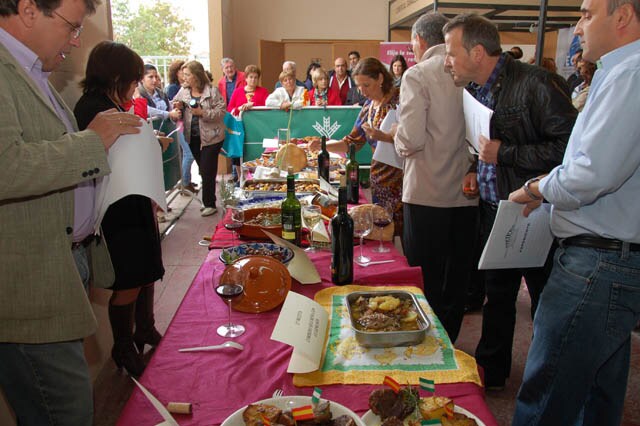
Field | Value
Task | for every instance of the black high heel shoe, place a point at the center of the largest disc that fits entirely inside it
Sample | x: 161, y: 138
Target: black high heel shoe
x: 129, y: 359
x: 124, y: 353
x: 146, y: 333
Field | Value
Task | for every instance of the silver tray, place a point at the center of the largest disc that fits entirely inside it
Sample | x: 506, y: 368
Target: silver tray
x: 387, y: 339
x: 257, y: 192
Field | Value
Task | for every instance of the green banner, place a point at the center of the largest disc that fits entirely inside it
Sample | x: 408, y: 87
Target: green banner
x: 333, y: 122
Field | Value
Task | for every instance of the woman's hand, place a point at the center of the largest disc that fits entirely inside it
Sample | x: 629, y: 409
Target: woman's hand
x: 179, y: 105
x: 197, y: 111
x: 321, y: 102
x: 246, y: 106
x: 376, y: 134
x: 285, y: 105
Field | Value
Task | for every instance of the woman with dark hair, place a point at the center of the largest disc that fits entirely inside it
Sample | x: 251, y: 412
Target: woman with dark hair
x: 397, y: 67
x: 129, y: 226
x: 308, y: 83
x: 203, y: 109
x: 375, y: 83
x: 157, y: 101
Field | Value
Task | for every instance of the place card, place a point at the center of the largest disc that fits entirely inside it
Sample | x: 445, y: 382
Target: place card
x: 301, y: 267
x: 302, y: 324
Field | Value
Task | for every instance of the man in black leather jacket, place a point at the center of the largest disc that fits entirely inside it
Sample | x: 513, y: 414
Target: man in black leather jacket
x: 532, y: 121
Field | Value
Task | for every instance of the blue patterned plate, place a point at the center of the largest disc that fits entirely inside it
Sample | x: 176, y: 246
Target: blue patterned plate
x: 231, y: 254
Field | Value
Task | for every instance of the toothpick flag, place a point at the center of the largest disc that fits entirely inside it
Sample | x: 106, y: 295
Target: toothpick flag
x: 427, y: 385
x: 448, y: 411
x: 303, y: 413
x: 391, y: 383
x: 430, y: 422
x: 265, y: 420
x: 315, y: 398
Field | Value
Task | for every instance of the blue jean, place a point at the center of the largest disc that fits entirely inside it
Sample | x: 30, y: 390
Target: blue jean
x: 187, y: 159
x: 578, y: 362
x: 82, y: 263
x: 47, y: 384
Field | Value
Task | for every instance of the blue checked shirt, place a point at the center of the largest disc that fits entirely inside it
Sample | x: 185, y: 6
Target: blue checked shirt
x: 487, y: 181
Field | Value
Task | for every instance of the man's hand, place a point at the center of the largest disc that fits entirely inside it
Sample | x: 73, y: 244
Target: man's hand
x: 111, y: 124
x: 470, y: 185
x: 489, y: 150
x: 520, y: 196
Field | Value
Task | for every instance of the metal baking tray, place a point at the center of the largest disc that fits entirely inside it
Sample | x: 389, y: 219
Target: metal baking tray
x: 387, y: 339
x: 279, y: 181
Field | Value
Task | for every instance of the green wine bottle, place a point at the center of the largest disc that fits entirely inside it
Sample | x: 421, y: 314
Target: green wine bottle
x: 290, y: 216
x: 353, y: 176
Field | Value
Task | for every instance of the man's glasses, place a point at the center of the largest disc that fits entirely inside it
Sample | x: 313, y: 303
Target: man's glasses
x: 76, y: 30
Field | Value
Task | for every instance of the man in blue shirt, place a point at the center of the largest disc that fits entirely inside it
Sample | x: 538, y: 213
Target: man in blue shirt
x: 578, y: 363
x: 530, y: 127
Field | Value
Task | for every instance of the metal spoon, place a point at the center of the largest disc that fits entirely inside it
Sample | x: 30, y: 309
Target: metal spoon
x: 376, y: 262
x: 228, y: 344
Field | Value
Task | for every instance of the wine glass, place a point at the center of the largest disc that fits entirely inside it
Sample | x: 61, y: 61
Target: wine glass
x: 236, y: 221
x: 362, y: 226
x: 229, y: 291
x: 382, y: 217
x: 311, y: 215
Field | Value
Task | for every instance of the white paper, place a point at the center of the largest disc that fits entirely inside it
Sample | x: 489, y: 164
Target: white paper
x: 136, y: 168
x: 270, y: 143
x: 327, y: 187
x: 517, y: 241
x: 477, y: 118
x: 302, y: 324
x: 386, y: 152
x: 301, y: 267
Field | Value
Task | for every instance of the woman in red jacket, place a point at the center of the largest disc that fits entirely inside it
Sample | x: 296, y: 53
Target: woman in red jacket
x: 322, y: 94
x: 250, y: 95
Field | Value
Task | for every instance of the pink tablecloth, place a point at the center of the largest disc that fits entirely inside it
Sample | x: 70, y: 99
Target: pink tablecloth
x: 218, y: 383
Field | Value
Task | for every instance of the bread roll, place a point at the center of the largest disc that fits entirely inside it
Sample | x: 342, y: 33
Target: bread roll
x: 291, y: 155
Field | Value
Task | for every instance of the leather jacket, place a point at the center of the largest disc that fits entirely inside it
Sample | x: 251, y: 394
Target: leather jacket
x: 533, y: 117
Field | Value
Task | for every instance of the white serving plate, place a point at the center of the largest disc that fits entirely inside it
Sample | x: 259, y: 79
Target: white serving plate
x: 371, y: 419
x: 289, y: 402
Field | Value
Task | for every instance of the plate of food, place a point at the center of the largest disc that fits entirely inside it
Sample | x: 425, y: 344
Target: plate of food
x: 406, y: 408
x: 280, y: 253
x: 278, y: 411
x: 258, y: 219
x: 266, y: 283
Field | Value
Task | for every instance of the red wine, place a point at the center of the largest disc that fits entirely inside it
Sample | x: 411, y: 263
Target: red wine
x: 381, y: 222
x: 229, y: 291
x: 342, y: 243
x: 231, y: 226
x: 324, y: 160
x: 353, y: 176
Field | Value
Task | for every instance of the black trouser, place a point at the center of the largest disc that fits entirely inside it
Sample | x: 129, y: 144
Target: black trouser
x: 499, y: 312
x: 207, y: 160
x: 441, y: 241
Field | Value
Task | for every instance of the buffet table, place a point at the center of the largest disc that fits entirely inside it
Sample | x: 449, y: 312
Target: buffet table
x: 219, y: 383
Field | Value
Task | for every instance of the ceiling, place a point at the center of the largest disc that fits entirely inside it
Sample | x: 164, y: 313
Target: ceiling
x: 508, y: 15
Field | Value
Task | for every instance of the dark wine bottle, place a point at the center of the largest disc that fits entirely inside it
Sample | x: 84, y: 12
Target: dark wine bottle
x: 353, y: 176
x: 290, y: 215
x: 323, y: 161
x: 342, y: 243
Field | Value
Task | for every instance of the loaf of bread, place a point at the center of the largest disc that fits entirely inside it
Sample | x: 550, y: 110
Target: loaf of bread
x: 291, y: 155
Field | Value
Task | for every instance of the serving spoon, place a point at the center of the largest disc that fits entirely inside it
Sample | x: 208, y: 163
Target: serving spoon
x: 228, y: 344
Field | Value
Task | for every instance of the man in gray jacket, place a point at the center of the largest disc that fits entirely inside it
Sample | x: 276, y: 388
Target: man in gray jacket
x: 46, y: 205
x: 439, y: 220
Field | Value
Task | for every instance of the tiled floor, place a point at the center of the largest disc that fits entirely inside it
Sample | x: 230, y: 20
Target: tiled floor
x: 182, y: 257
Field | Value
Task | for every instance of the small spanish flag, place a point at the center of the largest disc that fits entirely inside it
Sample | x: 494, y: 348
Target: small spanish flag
x: 427, y: 385
x: 391, y: 383
x: 303, y: 413
x: 430, y: 422
x: 315, y: 397
x: 448, y: 411
x: 265, y: 420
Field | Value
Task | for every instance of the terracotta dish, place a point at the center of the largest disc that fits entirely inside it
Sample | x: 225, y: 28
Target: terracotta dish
x: 254, y: 231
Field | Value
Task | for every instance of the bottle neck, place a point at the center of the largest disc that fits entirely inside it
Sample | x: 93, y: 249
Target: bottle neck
x: 342, y: 200
x: 291, y: 186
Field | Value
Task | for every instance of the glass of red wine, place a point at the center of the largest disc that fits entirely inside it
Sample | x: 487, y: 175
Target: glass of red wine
x: 228, y: 292
x: 382, y: 217
x: 235, y: 222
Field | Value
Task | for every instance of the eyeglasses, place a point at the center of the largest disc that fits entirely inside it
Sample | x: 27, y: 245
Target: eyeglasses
x: 76, y: 30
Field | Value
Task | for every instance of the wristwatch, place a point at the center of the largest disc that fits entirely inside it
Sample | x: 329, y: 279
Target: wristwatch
x: 529, y: 191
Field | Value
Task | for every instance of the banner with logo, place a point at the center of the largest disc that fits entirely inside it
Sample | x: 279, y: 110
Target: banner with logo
x: 390, y: 49
x: 568, y: 45
x: 333, y: 122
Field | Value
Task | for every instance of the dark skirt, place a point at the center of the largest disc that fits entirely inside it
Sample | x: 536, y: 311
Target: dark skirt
x: 131, y: 232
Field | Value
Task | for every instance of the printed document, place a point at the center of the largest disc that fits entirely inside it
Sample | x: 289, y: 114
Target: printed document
x: 517, y: 241
x: 386, y: 152
x: 477, y: 118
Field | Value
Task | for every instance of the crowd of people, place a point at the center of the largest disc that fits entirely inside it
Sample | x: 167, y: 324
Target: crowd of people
x: 443, y: 197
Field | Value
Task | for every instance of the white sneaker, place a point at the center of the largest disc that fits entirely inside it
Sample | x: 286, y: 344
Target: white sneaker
x: 208, y: 211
